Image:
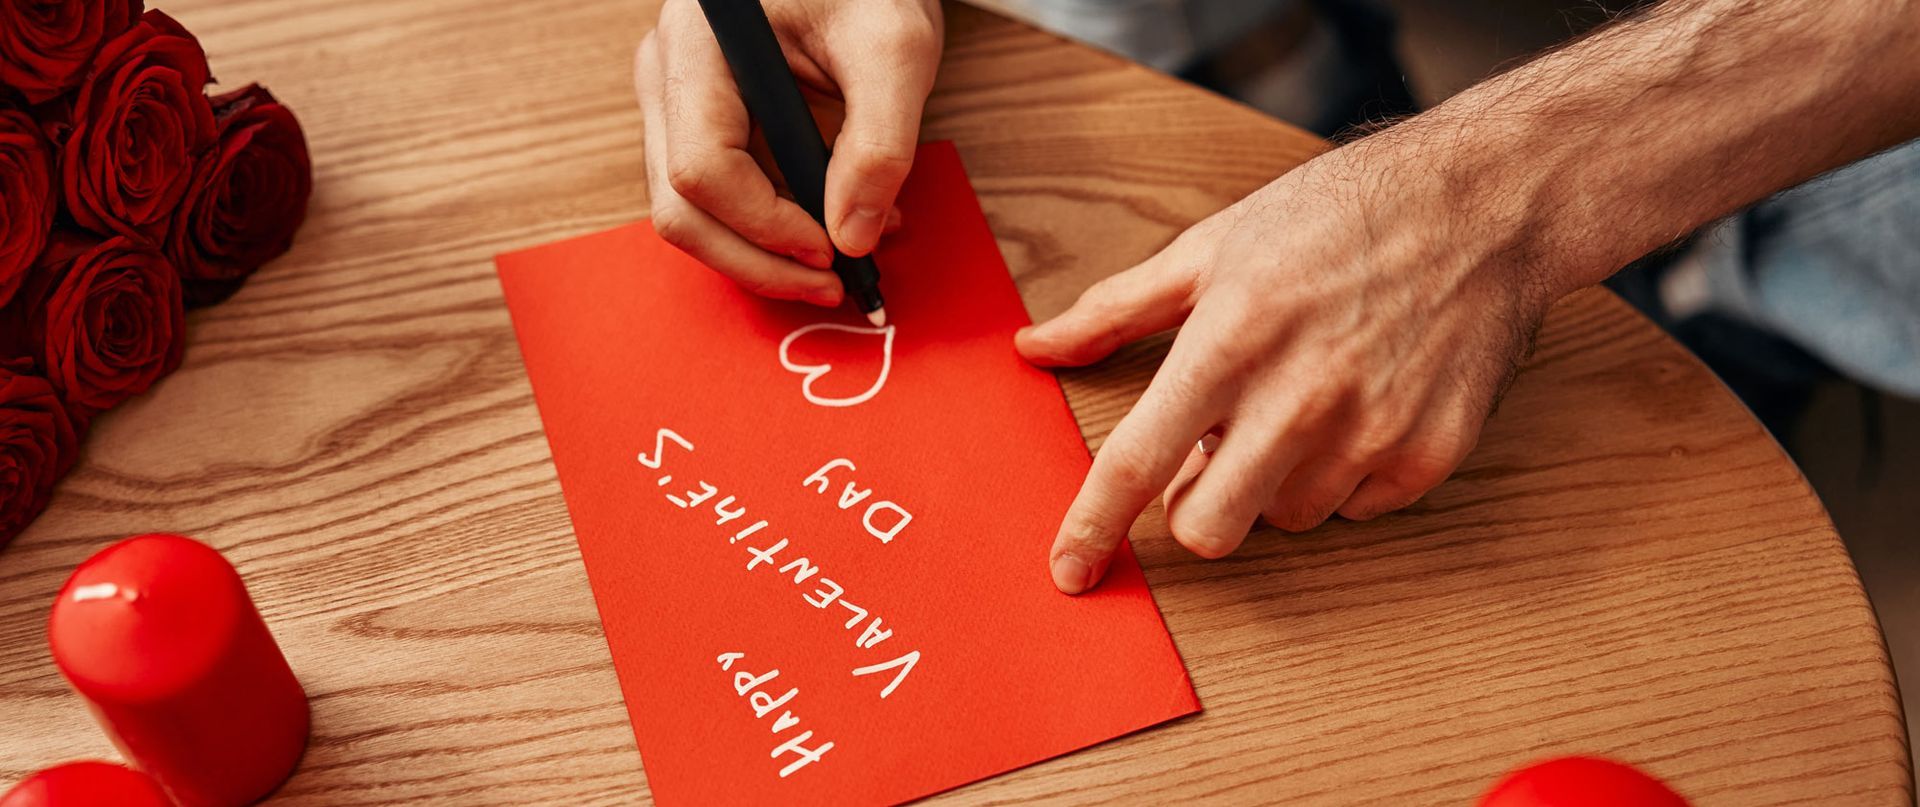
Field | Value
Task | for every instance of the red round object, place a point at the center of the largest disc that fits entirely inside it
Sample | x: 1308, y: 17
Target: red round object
x: 1580, y: 782
x: 86, y: 784
x: 158, y: 635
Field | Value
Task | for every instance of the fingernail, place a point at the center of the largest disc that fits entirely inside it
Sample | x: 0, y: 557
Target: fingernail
x: 1071, y: 575
x: 860, y: 229
x: 814, y: 258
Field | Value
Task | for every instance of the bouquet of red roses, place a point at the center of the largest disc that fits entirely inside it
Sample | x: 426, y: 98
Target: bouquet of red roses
x: 126, y: 195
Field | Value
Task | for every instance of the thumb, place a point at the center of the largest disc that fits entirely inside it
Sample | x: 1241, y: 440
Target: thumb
x: 1144, y: 300
x: 885, y: 91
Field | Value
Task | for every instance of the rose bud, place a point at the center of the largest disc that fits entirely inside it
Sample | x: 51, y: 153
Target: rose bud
x: 100, y: 319
x: 45, y: 46
x: 26, y: 197
x: 247, y: 197
x: 130, y: 136
x: 37, y: 446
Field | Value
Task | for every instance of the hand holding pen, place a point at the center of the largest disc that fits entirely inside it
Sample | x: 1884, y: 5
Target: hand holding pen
x: 712, y: 200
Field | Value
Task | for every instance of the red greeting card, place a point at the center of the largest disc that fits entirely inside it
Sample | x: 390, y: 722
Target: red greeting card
x: 818, y: 547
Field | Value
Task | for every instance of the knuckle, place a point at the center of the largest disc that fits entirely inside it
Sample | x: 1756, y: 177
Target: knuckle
x: 913, y: 40
x: 1419, y: 472
x: 1379, y: 498
x: 1201, y: 536
x: 1189, y: 385
x: 1319, y: 405
x: 1083, y: 535
x: 907, y: 33
x: 1126, y: 467
x: 1100, y: 306
x: 673, y: 225
x: 1103, y: 298
x: 758, y: 287
x: 883, y: 161
x: 1390, y: 494
x: 688, y: 174
x: 1299, y: 516
x: 1370, y: 444
x: 1359, y: 511
x: 674, y: 84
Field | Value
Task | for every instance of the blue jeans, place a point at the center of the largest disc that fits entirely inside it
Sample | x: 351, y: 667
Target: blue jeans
x: 1832, y: 266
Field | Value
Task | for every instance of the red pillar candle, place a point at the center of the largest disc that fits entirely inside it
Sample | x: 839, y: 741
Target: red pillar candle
x: 158, y: 635
x: 86, y: 784
x: 1580, y: 782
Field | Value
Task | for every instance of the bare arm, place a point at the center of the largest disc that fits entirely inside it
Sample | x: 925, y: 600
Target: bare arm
x: 1635, y: 136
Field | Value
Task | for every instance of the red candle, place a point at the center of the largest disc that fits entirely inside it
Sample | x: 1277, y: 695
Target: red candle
x: 1580, y: 782
x: 158, y: 635
x: 85, y: 784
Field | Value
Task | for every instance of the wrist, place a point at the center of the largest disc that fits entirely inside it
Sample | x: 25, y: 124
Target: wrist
x: 1471, y: 212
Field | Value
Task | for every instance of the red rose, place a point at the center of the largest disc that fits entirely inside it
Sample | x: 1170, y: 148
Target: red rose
x: 45, y: 46
x: 26, y: 197
x: 248, y: 196
x: 134, y: 128
x: 101, y: 319
x: 37, y: 445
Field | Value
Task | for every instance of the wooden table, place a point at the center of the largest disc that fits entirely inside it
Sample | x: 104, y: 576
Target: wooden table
x: 1628, y: 565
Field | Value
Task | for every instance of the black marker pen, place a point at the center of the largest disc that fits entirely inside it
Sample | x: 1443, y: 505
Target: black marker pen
x: 773, y: 98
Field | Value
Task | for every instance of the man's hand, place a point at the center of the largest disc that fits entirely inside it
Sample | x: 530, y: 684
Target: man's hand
x: 714, y: 201
x: 1343, y: 339
x: 1348, y: 327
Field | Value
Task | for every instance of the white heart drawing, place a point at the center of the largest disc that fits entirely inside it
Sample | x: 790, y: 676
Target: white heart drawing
x: 813, y: 372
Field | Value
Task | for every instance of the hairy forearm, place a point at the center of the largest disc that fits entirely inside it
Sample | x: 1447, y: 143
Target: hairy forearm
x: 1593, y: 155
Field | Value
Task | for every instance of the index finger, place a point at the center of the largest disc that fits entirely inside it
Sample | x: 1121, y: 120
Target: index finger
x: 1136, y: 462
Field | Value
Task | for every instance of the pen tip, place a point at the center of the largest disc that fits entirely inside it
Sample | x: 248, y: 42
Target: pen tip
x: 878, y: 317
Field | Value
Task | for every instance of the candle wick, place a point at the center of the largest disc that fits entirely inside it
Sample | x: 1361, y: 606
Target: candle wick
x: 99, y: 591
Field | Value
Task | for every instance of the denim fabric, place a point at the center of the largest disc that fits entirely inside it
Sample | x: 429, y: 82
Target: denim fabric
x: 1832, y: 265
x: 1164, y: 34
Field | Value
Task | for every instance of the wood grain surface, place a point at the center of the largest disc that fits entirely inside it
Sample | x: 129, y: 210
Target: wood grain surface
x: 1628, y: 565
